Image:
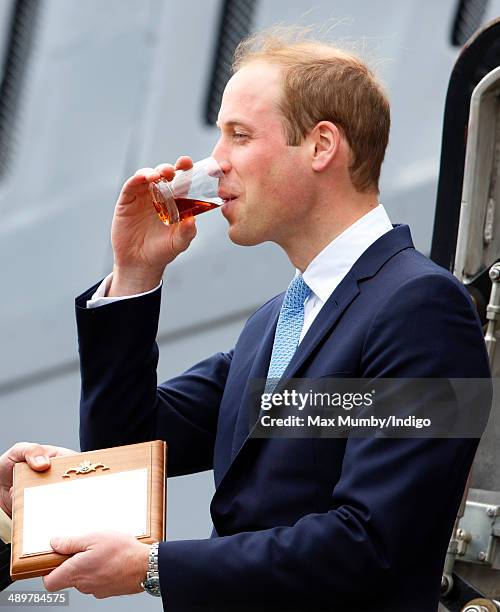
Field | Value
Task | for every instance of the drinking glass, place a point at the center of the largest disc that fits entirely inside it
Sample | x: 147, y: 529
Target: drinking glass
x: 190, y: 192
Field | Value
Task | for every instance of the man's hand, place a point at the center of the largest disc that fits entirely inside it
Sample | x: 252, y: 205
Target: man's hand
x: 142, y: 244
x: 103, y: 564
x: 37, y: 456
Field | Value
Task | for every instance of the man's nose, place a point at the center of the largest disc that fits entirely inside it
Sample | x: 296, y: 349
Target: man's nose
x: 225, y: 165
x: 219, y: 153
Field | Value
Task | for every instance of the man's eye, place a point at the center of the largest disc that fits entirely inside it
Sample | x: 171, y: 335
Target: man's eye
x: 239, y: 136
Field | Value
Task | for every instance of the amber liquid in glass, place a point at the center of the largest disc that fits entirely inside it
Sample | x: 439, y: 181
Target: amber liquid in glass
x: 187, y: 208
x: 191, y: 208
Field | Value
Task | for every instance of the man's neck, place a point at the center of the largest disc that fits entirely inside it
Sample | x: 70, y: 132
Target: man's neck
x: 320, y: 231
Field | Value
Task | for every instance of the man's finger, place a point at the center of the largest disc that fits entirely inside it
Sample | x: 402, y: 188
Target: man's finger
x: 133, y: 186
x: 38, y: 456
x: 62, y: 577
x: 138, y: 184
x: 184, y: 162
x: 70, y: 545
x: 38, y: 460
x: 182, y: 238
x: 35, y: 455
x: 166, y: 171
x: 149, y: 174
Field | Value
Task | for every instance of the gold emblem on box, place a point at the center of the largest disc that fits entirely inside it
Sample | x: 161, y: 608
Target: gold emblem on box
x: 85, y: 467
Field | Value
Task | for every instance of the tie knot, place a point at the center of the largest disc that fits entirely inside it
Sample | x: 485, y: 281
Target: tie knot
x: 296, y: 293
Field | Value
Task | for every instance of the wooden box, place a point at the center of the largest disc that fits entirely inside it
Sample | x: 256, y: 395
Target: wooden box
x: 120, y: 488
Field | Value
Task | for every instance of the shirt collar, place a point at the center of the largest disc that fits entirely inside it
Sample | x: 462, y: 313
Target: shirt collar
x: 329, y: 267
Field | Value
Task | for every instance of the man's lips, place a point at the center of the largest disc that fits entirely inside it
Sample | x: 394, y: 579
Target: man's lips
x: 226, y: 195
x: 228, y: 205
x: 227, y: 198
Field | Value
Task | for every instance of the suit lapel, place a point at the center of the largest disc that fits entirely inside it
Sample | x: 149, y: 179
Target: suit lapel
x: 365, y: 267
x: 258, y: 371
x: 326, y: 319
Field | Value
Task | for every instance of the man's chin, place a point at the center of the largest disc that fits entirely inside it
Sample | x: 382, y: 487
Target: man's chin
x: 241, y: 237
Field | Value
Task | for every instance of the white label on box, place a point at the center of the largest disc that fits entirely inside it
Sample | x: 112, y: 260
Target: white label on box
x: 117, y: 502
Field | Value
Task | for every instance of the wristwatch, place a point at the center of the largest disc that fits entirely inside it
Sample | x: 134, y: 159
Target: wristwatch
x: 151, y: 584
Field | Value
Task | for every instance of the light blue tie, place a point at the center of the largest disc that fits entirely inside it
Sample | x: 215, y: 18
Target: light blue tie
x: 290, y: 322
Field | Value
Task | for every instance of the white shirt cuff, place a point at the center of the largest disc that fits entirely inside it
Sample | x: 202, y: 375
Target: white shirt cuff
x: 99, y: 298
x: 5, y: 527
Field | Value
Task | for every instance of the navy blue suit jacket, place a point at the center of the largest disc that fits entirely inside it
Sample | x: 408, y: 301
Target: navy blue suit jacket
x: 5, y: 579
x: 299, y: 523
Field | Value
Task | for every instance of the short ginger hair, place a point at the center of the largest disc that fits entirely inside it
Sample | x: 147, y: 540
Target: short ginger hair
x: 321, y: 82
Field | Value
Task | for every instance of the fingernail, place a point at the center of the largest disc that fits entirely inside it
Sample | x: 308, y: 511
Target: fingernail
x: 40, y: 460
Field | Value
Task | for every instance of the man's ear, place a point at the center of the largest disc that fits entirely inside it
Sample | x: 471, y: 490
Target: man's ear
x: 325, y: 140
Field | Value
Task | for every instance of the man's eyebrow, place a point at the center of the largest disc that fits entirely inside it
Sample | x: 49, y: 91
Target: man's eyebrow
x: 233, y: 122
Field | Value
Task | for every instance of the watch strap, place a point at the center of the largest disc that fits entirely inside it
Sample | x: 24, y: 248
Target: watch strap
x: 151, y: 583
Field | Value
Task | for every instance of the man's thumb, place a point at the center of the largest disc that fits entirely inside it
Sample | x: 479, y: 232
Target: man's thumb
x: 67, y: 546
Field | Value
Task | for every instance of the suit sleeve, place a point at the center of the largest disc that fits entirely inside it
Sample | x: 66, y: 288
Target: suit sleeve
x: 120, y: 400
x: 426, y: 329
x: 5, y: 579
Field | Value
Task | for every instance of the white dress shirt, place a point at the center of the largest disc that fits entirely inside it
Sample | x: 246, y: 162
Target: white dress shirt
x: 99, y: 297
x: 328, y: 268
x: 322, y: 275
